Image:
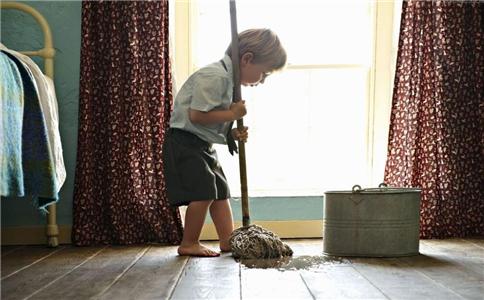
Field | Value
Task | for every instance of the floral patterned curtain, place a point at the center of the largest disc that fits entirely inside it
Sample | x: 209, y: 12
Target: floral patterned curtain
x: 125, y: 103
x: 436, y: 137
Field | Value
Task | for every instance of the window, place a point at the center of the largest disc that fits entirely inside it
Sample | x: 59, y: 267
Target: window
x: 318, y: 125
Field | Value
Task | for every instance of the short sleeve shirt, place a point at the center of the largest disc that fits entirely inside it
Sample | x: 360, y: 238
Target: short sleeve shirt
x: 210, y: 88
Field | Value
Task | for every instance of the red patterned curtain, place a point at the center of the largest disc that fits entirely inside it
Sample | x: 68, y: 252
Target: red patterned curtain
x: 125, y: 104
x: 436, y: 137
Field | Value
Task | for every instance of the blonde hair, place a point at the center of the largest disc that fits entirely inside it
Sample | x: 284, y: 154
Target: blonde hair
x: 264, y: 44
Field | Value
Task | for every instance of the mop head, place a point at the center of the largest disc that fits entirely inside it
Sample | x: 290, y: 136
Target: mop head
x: 256, y: 242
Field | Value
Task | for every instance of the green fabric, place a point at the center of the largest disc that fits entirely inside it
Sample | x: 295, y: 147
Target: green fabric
x: 39, y: 179
x: 12, y: 109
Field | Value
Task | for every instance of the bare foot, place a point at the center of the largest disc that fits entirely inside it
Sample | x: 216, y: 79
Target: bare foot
x: 196, y: 250
x: 225, y: 246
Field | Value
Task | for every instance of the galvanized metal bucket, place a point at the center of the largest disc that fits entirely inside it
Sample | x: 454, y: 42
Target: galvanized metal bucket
x: 373, y: 222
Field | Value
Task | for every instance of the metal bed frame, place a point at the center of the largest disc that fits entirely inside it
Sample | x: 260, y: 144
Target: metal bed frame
x: 47, y: 53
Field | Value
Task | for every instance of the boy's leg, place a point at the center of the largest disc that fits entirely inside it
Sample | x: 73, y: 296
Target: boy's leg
x: 221, y: 214
x: 194, y: 219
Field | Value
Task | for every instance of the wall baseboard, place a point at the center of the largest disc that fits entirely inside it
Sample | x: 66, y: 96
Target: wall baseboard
x: 284, y: 229
x: 35, y: 235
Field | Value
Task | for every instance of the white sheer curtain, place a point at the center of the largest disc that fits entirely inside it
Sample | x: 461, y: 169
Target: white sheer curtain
x: 309, y: 124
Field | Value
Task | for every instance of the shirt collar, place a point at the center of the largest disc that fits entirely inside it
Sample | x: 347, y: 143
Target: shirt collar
x: 228, y: 64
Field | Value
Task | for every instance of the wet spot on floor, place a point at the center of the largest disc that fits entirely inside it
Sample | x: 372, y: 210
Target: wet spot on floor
x: 304, y: 262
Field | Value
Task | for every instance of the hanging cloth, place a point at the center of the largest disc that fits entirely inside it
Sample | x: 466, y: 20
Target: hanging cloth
x: 37, y: 163
x: 48, y: 104
x: 11, y: 116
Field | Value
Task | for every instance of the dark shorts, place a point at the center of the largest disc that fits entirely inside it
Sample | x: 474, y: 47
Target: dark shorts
x: 192, y: 170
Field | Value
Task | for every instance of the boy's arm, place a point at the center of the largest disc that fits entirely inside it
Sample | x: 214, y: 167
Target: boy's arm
x: 237, y: 110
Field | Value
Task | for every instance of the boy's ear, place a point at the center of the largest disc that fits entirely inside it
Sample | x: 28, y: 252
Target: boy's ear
x: 247, y: 58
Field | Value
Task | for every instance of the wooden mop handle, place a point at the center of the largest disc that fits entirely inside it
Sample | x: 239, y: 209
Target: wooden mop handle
x: 240, y: 123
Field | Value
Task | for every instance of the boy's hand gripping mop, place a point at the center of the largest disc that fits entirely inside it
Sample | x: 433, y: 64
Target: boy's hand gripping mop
x: 249, y: 241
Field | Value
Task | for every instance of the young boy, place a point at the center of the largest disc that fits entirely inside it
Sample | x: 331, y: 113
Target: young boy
x: 201, y: 116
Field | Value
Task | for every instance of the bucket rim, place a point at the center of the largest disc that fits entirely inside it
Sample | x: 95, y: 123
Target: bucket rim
x: 378, y: 191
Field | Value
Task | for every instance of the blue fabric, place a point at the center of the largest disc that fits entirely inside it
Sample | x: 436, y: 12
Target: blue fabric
x: 12, y: 109
x: 37, y: 161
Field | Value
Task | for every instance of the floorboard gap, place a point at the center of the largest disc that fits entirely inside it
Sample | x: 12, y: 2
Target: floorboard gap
x: 65, y: 274
x: 35, y: 262
x: 5, y: 253
x: 135, y: 260
x: 376, y: 287
x: 240, y: 280
x: 306, y: 284
x: 182, y: 269
x: 432, y: 280
x: 474, y: 244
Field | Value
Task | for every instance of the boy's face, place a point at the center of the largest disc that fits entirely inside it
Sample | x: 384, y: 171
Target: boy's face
x: 250, y: 73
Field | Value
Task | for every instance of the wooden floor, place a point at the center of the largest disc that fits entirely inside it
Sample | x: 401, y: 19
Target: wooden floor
x: 445, y: 269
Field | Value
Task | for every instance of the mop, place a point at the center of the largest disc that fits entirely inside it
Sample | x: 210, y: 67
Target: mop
x: 249, y: 241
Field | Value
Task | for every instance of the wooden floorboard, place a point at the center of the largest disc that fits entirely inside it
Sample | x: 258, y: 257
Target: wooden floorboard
x: 463, y: 254
x: 24, y: 257
x: 340, y: 282
x: 280, y: 278
x: 95, y: 275
x: 306, y: 246
x: 273, y: 284
x: 455, y: 247
x: 209, y: 278
x: 36, y: 277
x: 445, y: 269
x: 396, y: 281
x: 461, y: 265
x: 479, y: 242
x: 154, y: 276
x: 446, y: 272
x: 6, y: 250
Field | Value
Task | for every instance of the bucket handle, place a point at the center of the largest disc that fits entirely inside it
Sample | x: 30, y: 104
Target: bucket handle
x: 357, y: 188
